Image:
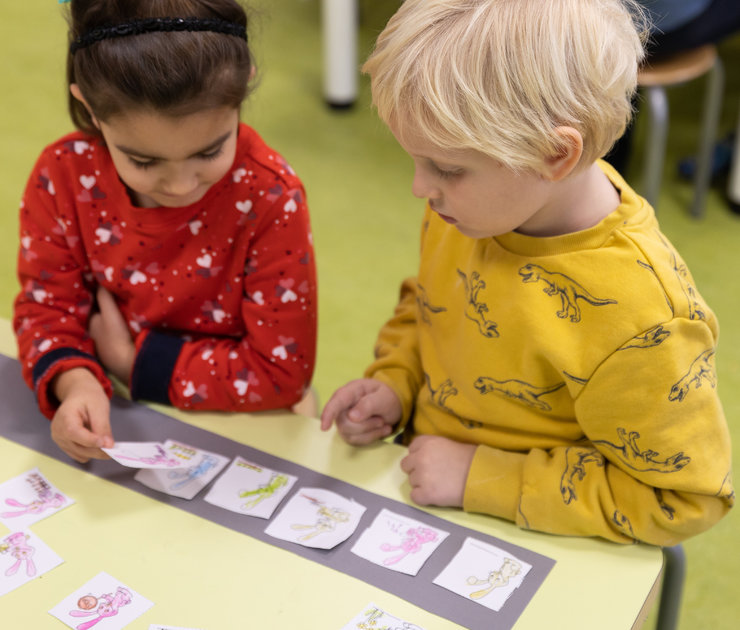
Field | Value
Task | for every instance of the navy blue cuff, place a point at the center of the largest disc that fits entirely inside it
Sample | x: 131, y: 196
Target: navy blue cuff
x: 50, y: 358
x: 153, y: 367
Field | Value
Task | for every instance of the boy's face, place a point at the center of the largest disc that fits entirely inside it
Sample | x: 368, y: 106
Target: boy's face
x: 475, y: 193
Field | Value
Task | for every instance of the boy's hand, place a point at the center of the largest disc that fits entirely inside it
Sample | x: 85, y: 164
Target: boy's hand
x: 438, y: 469
x: 112, y: 338
x: 364, y: 410
x: 81, y: 425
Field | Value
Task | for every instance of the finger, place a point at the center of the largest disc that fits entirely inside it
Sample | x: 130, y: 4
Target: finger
x: 407, y: 464
x: 106, y: 301
x: 364, y: 433
x: 99, y: 421
x: 344, y: 398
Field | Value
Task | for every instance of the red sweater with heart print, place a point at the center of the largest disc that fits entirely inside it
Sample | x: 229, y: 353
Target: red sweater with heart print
x: 219, y: 296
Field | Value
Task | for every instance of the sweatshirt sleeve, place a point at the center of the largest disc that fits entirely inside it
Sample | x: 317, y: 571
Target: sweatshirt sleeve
x: 657, y: 463
x: 271, y: 365
x: 52, y: 308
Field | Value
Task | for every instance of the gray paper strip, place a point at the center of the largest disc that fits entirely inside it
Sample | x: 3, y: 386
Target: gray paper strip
x: 21, y: 422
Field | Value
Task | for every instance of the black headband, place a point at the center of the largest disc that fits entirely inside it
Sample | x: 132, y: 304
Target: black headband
x: 153, y: 25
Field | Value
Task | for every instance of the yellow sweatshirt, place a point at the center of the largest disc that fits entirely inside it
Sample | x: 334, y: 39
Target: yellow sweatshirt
x: 582, y: 365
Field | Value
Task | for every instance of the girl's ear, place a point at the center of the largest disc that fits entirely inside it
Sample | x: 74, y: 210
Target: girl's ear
x: 77, y: 93
x: 559, y: 166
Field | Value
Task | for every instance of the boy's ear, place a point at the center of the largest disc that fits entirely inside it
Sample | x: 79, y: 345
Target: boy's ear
x: 559, y: 166
x: 77, y: 93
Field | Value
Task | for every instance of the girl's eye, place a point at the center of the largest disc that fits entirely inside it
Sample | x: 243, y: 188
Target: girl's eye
x: 212, y: 155
x: 142, y: 164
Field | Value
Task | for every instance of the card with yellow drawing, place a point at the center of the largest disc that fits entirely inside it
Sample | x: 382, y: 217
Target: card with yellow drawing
x: 483, y: 573
x: 315, y: 517
x: 248, y: 488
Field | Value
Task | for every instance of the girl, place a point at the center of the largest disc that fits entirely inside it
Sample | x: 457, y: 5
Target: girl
x: 164, y: 241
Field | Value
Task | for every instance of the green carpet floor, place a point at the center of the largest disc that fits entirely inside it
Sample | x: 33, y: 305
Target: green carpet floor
x: 365, y: 220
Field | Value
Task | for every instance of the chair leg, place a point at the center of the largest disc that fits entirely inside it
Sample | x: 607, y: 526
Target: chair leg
x: 710, y: 120
x: 674, y: 573
x: 656, y: 143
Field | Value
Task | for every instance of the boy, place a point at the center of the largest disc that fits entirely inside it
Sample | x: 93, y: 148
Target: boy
x: 552, y: 364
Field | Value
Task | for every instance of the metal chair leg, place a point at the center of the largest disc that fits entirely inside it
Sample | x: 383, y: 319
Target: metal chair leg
x: 710, y: 120
x: 657, y: 101
x: 674, y: 574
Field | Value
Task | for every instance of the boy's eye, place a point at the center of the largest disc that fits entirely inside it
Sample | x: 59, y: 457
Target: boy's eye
x: 445, y: 173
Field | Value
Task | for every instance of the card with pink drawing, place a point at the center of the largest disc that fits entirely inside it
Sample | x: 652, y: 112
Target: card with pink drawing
x: 24, y: 557
x: 143, y: 455
x: 103, y: 600
x: 28, y: 498
x: 398, y: 542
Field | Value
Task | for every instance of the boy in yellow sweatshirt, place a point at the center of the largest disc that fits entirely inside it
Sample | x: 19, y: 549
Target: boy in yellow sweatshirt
x: 553, y: 362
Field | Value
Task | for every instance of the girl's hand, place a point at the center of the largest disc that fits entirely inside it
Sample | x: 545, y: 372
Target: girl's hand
x: 81, y: 425
x: 438, y: 470
x: 113, y: 343
x: 364, y: 410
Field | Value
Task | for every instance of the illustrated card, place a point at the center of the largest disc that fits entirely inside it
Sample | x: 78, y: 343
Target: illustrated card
x: 248, y: 488
x: 483, y: 573
x: 29, y: 498
x: 143, y: 455
x: 397, y: 542
x: 314, y: 517
x: 23, y: 557
x: 102, y: 599
x: 198, y: 469
x: 374, y: 617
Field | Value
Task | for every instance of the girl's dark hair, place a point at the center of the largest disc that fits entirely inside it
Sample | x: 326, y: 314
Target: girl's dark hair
x: 178, y: 73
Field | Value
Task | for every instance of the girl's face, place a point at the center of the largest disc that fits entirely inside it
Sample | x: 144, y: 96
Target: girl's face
x: 171, y: 161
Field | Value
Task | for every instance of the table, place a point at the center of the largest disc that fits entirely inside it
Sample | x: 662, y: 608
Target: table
x: 203, y: 575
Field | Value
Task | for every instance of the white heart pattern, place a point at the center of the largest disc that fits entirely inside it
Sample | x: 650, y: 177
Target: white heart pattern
x: 288, y: 296
x: 280, y: 352
x: 241, y: 387
x: 244, y: 206
x: 87, y: 181
x: 137, y: 277
x: 204, y: 261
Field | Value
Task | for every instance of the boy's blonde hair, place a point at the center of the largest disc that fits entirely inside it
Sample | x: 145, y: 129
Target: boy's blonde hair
x: 498, y: 76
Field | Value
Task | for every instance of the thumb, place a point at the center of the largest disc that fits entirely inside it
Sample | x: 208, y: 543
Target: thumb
x: 98, y: 411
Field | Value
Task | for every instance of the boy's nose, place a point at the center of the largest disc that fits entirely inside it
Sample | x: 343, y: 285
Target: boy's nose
x: 421, y: 187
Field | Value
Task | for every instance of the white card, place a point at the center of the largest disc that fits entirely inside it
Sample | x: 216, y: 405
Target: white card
x: 29, y: 498
x: 143, y: 455
x: 483, y: 573
x: 23, y: 557
x: 101, y: 599
x: 397, y: 542
x: 248, y: 488
x: 314, y: 517
x: 198, y: 469
x: 374, y: 617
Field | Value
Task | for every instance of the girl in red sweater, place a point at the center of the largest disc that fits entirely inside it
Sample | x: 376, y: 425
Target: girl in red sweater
x: 164, y: 242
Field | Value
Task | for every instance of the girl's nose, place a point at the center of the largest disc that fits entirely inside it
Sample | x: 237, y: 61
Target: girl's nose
x: 180, y: 181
